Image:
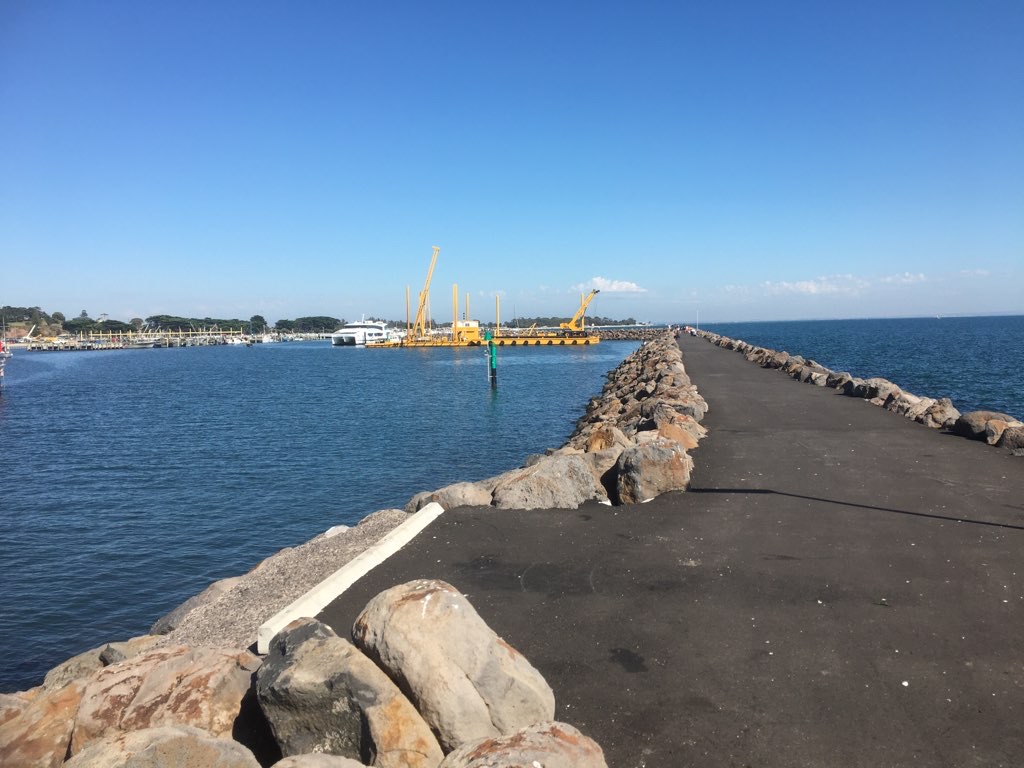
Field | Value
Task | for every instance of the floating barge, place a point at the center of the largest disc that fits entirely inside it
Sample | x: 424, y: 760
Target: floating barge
x: 468, y: 333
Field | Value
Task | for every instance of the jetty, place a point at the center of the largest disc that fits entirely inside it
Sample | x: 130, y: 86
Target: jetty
x: 838, y: 586
x: 831, y: 577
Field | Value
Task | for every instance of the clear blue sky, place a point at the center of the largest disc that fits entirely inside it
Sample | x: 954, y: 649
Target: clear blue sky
x: 743, y: 160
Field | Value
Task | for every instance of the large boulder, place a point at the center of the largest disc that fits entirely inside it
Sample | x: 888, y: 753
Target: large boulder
x: 648, y: 470
x: 940, y: 415
x: 318, y: 760
x: 452, y: 496
x: 13, y: 704
x: 164, y: 747
x: 88, y: 662
x: 551, y: 745
x: 994, y: 429
x: 972, y: 425
x: 38, y: 736
x: 321, y: 694
x: 466, y: 682
x: 604, y: 437
x: 1012, y: 438
x: 200, y: 687
x: 556, y: 482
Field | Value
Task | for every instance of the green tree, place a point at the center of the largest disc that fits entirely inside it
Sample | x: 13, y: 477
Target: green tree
x: 58, y: 317
x: 257, y: 323
x: 136, y: 323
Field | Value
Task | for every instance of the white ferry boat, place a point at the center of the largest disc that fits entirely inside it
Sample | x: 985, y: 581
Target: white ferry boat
x: 359, y: 334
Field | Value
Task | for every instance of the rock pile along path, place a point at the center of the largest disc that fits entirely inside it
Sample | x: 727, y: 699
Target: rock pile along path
x: 840, y: 586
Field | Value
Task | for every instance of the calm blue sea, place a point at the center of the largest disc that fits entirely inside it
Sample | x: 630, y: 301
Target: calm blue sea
x: 978, y: 362
x: 134, y: 478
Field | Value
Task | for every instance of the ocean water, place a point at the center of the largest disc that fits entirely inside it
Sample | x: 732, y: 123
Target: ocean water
x: 977, y: 362
x: 134, y: 478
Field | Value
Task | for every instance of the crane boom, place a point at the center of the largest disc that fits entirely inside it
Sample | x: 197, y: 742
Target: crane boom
x: 419, y: 329
x: 576, y: 325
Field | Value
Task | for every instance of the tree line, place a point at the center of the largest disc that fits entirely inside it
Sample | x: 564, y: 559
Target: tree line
x: 56, y: 323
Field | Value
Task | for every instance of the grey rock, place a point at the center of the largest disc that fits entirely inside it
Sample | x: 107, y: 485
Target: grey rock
x: 466, y: 682
x: 321, y: 694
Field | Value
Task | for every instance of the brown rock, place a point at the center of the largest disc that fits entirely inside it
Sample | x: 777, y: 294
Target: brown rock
x: 163, y: 747
x: 940, y: 415
x: 200, y: 687
x: 452, y: 496
x: 648, y: 470
x: 1012, y: 438
x: 39, y: 736
x: 13, y: 704
x: 318, y: 761
x: 972, y: 424
x: 550, y: 745
x: 557, y: 482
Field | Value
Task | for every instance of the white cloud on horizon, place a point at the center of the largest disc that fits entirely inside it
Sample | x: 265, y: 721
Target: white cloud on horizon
x: 605, y: 285
x: 833, y: 285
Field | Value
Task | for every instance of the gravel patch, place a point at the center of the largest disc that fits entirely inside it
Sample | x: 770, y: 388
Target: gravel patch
x: 231, y: 616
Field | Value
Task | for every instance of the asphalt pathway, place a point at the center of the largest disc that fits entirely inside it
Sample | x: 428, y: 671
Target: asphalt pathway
x: 839, y: 587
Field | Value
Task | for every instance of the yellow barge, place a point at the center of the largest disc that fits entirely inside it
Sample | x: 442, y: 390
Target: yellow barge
x: 467, y: 333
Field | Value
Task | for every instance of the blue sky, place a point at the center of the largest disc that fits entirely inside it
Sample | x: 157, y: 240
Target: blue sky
x: 738, y: 160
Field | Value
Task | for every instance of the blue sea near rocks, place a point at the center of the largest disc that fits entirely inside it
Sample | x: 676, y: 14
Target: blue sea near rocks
x: 977, y: 362
x: 134, y: 478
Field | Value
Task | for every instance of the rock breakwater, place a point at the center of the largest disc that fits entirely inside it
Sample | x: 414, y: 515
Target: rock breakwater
x: 422, y: 677
x: 631, y: 445
x: 998, y: 429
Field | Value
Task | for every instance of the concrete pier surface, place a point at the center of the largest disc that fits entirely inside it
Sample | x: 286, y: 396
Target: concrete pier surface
x: 840, y: 587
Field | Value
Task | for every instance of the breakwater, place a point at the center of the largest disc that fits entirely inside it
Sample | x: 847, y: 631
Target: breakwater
x: 995, y: 428
x: 631, y: 444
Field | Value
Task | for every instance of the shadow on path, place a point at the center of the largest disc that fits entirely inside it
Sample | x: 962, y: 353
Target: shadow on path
x: 770, y: 491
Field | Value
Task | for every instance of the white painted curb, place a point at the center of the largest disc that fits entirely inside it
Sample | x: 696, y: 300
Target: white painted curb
x: 320, y: 596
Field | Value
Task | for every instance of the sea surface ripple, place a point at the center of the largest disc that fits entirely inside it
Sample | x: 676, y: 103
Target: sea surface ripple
x: 134, y: 478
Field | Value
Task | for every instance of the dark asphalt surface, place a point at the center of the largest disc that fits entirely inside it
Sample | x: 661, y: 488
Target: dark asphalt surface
x: 840, y: 587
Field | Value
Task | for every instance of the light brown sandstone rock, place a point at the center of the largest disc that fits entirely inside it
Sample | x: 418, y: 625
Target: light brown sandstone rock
x: 1012, y: 438
x: 318, y: 761
x: 200, y: 687
x: 466, y: 682
x: 164, y: 747
x: 973, y: 424
x: 549, y: 745
x: 87, y: 663
x: 646, y: 471
x: 39, y: 735
x: 321, y: 694
x: 558, y: 482
x: 452, y: 496
x: 13, y: 704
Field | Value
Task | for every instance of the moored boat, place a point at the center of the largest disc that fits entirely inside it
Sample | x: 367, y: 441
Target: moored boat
x: 360, y: 334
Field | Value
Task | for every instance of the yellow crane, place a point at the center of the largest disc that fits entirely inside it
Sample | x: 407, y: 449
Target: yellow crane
x: 577, y: 325
x: 419, y: 327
